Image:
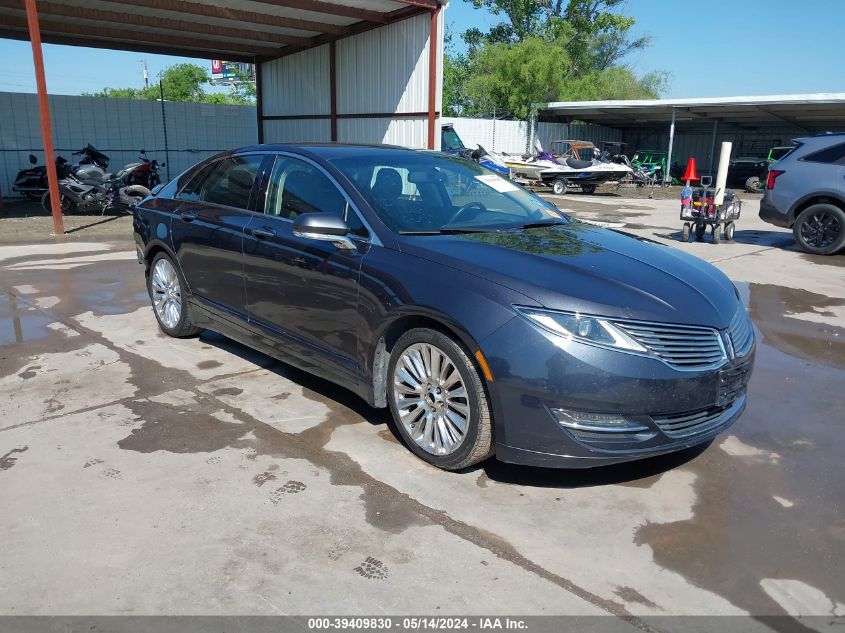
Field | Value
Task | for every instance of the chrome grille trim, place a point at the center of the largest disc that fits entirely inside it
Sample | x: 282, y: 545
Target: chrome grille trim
x: 684, y: 347
x: 741, y: 331
x: 697, y: 422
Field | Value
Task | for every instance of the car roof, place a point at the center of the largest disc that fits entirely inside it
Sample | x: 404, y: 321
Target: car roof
x: 326, y: 151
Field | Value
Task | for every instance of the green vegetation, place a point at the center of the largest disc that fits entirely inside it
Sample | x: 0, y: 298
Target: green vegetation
x: 545, y: 50
x: 184, y: 82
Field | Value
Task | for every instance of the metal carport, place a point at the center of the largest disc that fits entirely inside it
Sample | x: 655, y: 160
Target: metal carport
x: 771, y: 119
x: 364, y: 70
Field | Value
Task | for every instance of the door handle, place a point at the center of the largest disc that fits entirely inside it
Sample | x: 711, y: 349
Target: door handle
x: 262, y: 233
x: 188, y: 216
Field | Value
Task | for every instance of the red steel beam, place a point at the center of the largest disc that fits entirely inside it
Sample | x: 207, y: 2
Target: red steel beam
x: 95, y: 33
x: 236, y: 15
x: 44, y: 112
x: 432, y: 78
x: 431, y: 5
x: 123, y: 45
x: 330, y: 8
x: 53, y: 9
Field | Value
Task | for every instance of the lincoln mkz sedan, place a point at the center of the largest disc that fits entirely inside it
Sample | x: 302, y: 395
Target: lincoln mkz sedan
x: 487, y: 320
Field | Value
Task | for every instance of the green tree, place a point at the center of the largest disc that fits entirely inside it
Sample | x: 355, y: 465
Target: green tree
x: 546, y: 50
x: 512, y: 77
x: 185, y: 82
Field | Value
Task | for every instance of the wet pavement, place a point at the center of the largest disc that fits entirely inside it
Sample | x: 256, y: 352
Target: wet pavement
x: 146, y: 475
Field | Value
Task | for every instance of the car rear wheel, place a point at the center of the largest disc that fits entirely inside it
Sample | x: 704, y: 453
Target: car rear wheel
x: 165, y: 285
x: 820, y: 229
x: 438, y: 400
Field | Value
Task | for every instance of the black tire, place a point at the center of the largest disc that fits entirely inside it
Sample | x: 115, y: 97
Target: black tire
x: 588, y: 189
x: 730, y: 227
x: 700, y: 230
x: 477, y: 443
x: 717, y: 233
x: 68, y: 205
x: 685, y: 232
x: 752, y: 185
x: 559, y: 186
x: 184, y: 327
x: 820, y: 229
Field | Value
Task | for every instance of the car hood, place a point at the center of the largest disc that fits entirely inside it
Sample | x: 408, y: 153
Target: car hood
x: 582, y: 267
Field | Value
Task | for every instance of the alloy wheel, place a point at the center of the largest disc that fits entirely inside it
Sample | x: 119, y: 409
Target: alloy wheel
x: 821, y: 229
x: 431, y: 399
x: 167, y: 293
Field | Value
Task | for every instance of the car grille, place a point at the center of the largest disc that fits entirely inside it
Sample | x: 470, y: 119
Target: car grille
x: 681, y: 346
x: 742, y: 333
x: 697, y: 422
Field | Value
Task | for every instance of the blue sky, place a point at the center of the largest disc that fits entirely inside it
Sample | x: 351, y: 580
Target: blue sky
x: 755, y: 47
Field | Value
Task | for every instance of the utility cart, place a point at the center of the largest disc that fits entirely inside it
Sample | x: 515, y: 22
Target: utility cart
x: 698, y: 211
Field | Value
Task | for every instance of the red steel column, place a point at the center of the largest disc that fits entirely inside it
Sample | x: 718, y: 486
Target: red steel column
x: 432, y: 77
x: 44, y: 111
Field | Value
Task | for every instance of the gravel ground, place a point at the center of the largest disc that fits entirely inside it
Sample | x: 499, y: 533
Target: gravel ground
x: 24, y: 220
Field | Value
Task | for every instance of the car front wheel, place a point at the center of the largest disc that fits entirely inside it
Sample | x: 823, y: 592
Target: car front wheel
x: 438, y: 400
x: 166, y: 287
x: 820, y: 229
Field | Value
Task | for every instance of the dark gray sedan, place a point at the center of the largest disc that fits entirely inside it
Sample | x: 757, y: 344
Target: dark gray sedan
x: 485, y: 319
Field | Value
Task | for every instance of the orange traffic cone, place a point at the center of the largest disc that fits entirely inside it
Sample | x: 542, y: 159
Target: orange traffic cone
x: 690, y: 174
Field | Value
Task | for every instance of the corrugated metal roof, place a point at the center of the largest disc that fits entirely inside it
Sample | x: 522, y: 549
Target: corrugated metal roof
x: 236, y: 30
x: 810, y: 112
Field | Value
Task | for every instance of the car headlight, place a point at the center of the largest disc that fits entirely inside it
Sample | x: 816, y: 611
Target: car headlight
x: 593, y: 330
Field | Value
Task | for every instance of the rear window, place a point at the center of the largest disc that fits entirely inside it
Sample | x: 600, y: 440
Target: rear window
x: 833, y: 155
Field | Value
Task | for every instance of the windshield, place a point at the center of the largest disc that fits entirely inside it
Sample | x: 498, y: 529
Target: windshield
x: 419, y: 192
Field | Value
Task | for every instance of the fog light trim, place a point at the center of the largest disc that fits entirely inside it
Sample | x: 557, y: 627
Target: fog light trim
x: 598, y: 422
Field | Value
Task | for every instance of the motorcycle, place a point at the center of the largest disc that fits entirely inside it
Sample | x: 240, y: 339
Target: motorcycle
x: 32, y: 182
x: 90, y: 188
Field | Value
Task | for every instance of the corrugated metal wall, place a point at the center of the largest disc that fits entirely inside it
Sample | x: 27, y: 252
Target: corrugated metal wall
x: 119, y: 128
x: 382, y: 71
x: 297, y: 84
x: 698, y: 143
x: 511, y: 136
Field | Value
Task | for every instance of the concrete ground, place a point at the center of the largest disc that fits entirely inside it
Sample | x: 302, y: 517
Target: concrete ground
x: 145, y: 475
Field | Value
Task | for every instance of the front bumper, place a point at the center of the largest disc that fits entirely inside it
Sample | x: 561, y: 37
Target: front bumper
x: 533, y: 374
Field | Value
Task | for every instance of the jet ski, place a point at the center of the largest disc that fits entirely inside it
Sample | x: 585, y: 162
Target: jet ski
x: 573, y: 163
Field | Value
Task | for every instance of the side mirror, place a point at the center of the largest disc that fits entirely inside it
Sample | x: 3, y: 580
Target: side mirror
x: 32, y: 159
x: 324, y: 227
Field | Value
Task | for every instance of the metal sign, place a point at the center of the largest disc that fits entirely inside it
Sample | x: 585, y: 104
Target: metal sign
x: 231, y: 72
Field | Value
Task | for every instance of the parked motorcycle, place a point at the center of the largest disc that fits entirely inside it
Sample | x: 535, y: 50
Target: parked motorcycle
x: 32, y: 182
x: 90, y: 188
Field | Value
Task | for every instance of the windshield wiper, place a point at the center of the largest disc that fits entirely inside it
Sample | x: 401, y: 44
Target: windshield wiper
x: 539, y: 224
x: 448, y: 231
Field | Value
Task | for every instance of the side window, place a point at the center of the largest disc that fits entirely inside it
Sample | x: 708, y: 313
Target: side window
x: 834, y: 155
x: 298, y: 187
x: 191, y: 191
x: 230, y: 181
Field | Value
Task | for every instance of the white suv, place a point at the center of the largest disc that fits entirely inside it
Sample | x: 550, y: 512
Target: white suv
x: 805, y: 191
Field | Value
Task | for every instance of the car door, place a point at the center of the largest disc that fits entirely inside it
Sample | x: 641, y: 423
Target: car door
x: 207, y: 232
x: 302, y: 294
